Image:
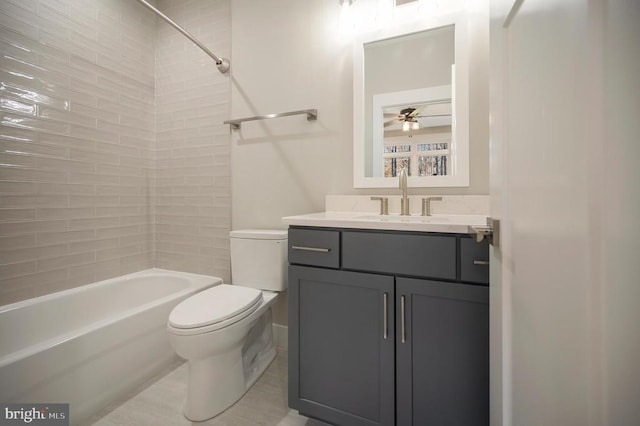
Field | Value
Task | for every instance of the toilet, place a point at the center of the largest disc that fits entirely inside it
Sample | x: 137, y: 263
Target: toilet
x: 225, y: 332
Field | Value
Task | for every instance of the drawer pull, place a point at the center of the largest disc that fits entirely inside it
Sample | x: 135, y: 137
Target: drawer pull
x: 480, y: 262
x: 318, y: 249
x: 403, y: 332
x: 385, y: 332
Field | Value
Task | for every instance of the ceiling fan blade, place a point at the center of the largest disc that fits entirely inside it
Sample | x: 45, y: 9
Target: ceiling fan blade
x: 433, y: 115
x: 408, y: 112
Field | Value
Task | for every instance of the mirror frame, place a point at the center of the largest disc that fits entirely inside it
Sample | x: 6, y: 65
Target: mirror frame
x: 459, y: 165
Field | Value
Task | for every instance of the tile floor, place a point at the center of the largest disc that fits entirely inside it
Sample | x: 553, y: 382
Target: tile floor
x: 160, y: 403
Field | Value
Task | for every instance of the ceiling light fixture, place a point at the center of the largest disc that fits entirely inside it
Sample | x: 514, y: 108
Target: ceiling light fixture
x: 410, y: 124
x: 346, y: 19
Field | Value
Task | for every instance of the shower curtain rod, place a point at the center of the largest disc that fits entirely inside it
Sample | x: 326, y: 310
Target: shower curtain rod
x: 222, y: 63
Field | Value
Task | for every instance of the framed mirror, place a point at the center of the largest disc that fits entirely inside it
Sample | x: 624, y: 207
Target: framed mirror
x: 411, y: 105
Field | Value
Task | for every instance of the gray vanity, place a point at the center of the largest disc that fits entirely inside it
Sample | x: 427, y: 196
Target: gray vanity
x: 389, y: 313
x: 388, y: 327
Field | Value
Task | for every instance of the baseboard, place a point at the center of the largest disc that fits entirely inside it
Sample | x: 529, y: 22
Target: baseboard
x: 280, y: 336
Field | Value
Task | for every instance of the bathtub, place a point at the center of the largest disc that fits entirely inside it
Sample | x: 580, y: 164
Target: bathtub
x: 91, y: 346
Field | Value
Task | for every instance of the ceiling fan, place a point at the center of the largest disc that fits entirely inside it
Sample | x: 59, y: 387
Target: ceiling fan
x: 408, y: 117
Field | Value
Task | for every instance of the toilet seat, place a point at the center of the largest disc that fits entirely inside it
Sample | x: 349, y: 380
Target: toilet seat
x: 214, y: 308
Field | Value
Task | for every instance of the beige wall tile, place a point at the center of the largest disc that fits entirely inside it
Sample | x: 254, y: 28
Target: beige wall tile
x: 25, y: 227
x: 33, y: 200
x: 60, y: 205
x: 12, y: 296
x: 8, y: 187
x: 47, y: 238
x: 17, y: 242
x: 85, y: 154
x: 65, y: 189
x: 31, y: 175
x: 33, y: 149
x: 18, y: 160
x: 61, y: 262
x: 34, y: 280
x: 7, y: 215
x: 17, y: 269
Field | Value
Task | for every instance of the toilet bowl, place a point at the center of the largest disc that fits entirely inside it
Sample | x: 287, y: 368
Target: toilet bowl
x: 225, y: 332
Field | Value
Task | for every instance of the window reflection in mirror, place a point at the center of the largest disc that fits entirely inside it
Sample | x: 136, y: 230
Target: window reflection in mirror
x: 417, y: 137
x: 412, y: 129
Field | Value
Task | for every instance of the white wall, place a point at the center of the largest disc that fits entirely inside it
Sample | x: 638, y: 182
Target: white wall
x: 290, y: 55
x: 286, y: 58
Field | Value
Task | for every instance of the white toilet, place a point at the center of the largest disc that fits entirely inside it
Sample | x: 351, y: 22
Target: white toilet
x: 225, y: 331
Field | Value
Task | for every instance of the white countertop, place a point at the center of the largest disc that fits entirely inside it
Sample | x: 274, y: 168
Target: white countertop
x: 445, y: 223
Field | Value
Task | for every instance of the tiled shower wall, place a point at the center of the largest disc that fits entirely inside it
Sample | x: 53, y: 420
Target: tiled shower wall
x: 77, y: 135
x: 193, y: 165
x: 78, y: 146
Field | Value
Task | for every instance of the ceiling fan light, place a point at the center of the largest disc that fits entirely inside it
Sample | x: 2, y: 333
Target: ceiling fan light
x: 415, y: 125
x: 405, y: 126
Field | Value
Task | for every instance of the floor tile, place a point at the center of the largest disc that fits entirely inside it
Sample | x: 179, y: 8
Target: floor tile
x: 160, y: 403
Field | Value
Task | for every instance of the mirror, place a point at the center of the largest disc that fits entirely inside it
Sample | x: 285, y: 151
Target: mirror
x: 411, y: 106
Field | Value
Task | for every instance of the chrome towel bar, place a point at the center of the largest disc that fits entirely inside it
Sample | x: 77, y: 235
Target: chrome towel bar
x: 312, y: 114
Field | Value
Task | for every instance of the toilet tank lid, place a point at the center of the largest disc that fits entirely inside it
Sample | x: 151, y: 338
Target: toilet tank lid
x: 260, y: 234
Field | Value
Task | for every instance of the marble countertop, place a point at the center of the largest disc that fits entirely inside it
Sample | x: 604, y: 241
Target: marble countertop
x: 445, y: 223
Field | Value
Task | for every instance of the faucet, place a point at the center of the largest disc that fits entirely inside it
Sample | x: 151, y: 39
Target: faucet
x: 402, y: 184
x: 426, y: 205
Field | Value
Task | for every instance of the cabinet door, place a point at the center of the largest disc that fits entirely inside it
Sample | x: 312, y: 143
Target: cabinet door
x: 443, y: 354
x: 341, y: 355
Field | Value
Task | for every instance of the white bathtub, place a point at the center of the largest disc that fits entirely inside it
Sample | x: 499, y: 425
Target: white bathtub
x: 91, y: 345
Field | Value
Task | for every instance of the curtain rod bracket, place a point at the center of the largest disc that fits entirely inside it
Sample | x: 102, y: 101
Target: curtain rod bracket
x: 223, y: 65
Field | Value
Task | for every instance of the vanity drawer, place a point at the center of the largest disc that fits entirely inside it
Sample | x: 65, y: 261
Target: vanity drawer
x: 419, y: 255
x: 474, y: 261
x: 314, y: 247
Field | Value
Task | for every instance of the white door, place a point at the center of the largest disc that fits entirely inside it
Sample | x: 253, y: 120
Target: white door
x: 565, y: 183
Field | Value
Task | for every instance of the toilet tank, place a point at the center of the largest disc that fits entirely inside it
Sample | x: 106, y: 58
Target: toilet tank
x: 259, y: 258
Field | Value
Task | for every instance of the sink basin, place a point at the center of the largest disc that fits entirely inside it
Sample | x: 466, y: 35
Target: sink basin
x: 448, y: 223
x: 444, y: 219
x: 404, y: 219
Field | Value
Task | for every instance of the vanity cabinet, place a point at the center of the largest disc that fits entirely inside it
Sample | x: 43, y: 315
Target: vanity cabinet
x: 442, y: 353
x: 342, y: 366
x: 388, y: 328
